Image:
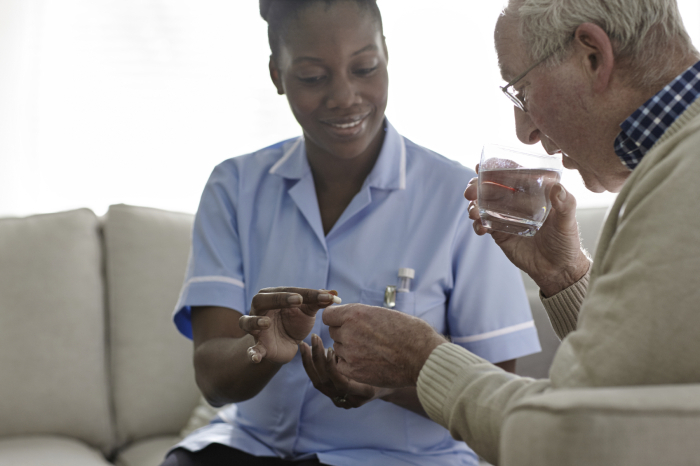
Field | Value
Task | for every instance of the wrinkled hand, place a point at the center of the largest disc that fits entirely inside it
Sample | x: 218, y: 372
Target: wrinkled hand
x: 553, y: 257
x: 379, y: 346
x: 322, y: 370
x: 280, y: 318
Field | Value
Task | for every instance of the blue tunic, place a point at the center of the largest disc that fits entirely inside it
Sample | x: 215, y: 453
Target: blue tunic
x: 259, y: 225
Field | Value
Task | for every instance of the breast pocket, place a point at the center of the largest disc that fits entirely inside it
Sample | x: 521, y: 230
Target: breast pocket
x: 405, y: 301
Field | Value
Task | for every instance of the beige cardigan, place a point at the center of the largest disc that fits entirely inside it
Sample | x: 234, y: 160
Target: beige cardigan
x: 639, y: 321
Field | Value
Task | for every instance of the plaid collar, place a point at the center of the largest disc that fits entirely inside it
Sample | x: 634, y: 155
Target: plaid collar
x: 650, y: 121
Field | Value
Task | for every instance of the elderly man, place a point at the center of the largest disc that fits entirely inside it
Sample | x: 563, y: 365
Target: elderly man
x: 613, y: 86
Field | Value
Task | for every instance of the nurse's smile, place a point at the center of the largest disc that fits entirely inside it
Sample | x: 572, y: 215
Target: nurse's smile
x: 349, y: 126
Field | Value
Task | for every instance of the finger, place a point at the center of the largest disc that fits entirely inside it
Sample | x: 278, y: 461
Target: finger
x: 476, y: 169
x: 343, y: 367
x: 473, y: 210
x: 340, y: 382
x: 564, y: 203
x: 318, y: 353
x: 338, y: 350
x: 309, y: 296
x: 335, y: 332
x: 307, y: 362
x: 472, y: 190
x: 335, y: 316
x: 480, y: 229
x: 257, y: 352
x: 254, y: 324
x: 264, y: 302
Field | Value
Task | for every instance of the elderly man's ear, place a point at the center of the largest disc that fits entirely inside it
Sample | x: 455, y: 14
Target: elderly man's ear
x: 593, y: 48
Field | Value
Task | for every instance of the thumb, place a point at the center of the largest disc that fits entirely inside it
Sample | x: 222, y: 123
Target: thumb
x: 334, y: 316
x: 564, y: 204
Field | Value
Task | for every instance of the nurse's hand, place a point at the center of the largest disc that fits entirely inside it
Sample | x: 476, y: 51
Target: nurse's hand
x: 323, y: 372
x: 280, y: 318
x: 553, y: 257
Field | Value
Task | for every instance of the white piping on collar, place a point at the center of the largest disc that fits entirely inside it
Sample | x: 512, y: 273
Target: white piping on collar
x: 402, y: 165
x: 286, y: 155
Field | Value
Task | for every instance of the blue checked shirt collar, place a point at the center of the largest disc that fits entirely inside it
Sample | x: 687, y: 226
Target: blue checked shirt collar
x: 650, y: 121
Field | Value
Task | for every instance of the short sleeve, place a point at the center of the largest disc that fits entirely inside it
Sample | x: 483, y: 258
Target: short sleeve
x: 488, y: 310
x: 214, y: 274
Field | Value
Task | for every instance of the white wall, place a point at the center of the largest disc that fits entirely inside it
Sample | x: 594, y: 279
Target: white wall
x: 135, y: 101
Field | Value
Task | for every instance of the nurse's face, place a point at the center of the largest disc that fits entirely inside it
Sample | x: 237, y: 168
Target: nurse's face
x: 332, y: 66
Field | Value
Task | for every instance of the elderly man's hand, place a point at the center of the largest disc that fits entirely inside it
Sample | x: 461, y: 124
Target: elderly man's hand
x: 378, y: 346
x: 553, y: 258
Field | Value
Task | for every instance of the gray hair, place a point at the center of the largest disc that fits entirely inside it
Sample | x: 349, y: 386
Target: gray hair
x: 643, y: 32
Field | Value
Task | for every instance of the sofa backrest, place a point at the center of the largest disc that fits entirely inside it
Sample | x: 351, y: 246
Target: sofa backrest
x: 537, y: 365
x: 151, y: 363
x: 53, y: 360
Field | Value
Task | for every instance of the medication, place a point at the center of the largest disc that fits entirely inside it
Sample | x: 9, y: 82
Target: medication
x: 405, y: 276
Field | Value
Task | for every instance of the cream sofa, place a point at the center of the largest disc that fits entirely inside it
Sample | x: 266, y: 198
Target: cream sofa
x: 94, y: 372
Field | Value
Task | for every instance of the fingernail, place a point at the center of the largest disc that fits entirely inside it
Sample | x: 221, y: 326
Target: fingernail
x: 295, y: 299
x: 263, y: 322
x: 325, y: 297
x: 337, y: 300
x: 314, y: 338
x: 562, y: 194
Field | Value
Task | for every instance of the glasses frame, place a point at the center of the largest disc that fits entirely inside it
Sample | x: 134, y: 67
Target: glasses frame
x: 508, y: 88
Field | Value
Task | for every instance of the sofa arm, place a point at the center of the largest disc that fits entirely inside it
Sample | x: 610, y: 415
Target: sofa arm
x: 653, y: 425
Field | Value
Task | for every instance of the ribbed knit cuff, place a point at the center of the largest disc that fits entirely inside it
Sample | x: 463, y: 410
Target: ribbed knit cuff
x: 439, y: 372
x: 563, y: 307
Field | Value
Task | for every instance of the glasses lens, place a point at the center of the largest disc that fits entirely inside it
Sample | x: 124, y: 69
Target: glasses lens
x: 513, y: 98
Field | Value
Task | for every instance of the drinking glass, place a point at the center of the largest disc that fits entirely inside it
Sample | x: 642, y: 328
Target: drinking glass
x: 514, y: 188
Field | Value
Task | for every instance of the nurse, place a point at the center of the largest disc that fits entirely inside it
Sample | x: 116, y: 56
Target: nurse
x: 342, y: 208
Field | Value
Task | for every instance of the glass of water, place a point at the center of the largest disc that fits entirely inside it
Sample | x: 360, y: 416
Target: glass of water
x: 514, y: 188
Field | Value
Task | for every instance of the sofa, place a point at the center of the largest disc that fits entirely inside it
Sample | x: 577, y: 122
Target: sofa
x: 94, y: 372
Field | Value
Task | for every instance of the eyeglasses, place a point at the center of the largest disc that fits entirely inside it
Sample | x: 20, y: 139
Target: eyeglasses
x: 510, y: 91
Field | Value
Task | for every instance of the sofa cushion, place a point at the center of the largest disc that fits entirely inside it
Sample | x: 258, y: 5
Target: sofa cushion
x: 48, y: 451
x: 152, y: 373
x: 149, y: 452
x: 52, y: 329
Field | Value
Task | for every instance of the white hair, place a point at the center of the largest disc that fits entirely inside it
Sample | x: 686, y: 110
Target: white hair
x: 643, y: 32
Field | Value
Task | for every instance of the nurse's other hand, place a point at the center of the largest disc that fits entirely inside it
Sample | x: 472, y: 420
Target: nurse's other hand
x: 321, y: 368
x: 379, y: 346
x: 280, y: 318
x: 553, y: 257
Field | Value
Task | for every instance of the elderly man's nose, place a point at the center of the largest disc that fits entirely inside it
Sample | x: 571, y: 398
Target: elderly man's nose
x: 525, y: 129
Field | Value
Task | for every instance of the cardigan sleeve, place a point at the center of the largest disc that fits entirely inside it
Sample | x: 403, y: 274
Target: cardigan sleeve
x: 563, y: 307
x: 471, y: 397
